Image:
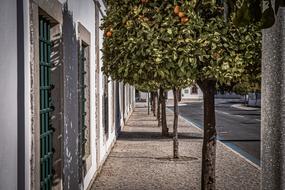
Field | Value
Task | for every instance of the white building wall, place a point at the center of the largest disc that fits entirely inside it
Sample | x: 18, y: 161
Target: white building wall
x: 8, y: 94
x: 143, y: 95
x: 187, y: 94
x: 83, y: 12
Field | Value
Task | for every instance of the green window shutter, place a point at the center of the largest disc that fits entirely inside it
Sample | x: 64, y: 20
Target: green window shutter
x: 83, y: 86
x: 46, y: 130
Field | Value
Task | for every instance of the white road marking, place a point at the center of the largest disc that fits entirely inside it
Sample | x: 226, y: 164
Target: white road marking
x: 226, y: 113
x: 220, y: 142
x: 242, y: 107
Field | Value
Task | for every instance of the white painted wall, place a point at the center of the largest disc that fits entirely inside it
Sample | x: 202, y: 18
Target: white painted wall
x: 143, y: 95
x: 83, y: 11
x: 8, y: 94
x: 187, y: 94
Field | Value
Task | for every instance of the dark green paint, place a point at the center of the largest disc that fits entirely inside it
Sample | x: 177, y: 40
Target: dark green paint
x: 46, y: 130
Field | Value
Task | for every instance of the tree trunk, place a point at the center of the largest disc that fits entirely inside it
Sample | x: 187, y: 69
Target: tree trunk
x: 210, y: 135
x: 158, y: 115
x: 151, y: 101
x: 163, y: 114
x: 273, y: 105
x: 256, y: 96
x: 179, y: 95
x: 154, y: 99
x: 226, y: 10
x: 175, y: 124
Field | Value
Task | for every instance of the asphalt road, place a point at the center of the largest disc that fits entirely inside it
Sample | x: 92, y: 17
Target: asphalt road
x: 237, y: 126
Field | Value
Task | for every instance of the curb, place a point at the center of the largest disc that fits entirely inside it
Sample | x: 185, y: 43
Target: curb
x: 218, y: 141
x: 240, y: 106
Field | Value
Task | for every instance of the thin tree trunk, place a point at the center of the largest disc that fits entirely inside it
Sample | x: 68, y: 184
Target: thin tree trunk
x: 226, y: 10
x: 148, y: 103
x: 210, y: 134
x: 255, y: 93
x: 151, y: 100
x: 179, y: 95
x: 175, y: 124
x: 163, y: 114
x: 154, y: 103
x: 158, y: 115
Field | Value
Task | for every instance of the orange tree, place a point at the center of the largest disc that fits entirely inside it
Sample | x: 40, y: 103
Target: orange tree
x: 225, y: 55
x: 173, y: 43
x: 145, y: 44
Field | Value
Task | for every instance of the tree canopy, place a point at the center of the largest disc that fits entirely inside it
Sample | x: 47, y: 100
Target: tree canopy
x: 167, y: 43
x: 171, y: 43
x: 146, y: 44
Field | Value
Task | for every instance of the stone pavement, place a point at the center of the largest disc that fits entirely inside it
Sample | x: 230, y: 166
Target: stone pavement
x: 141, y: 160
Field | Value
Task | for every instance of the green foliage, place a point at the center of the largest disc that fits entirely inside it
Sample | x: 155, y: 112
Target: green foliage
x: 151, y: 46
x: 226, y: 53
x: 256, y: 11
x: 246, y: 87
x: 147, y: 44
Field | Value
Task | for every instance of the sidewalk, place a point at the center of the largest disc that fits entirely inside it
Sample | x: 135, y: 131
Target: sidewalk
x: 141, y: 160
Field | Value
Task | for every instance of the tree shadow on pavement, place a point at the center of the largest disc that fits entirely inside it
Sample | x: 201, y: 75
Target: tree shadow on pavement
x: 150, y: 136
x: 153, y: 159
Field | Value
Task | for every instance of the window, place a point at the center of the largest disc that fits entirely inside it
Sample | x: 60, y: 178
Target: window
x: 106, y: 106
x: 84, y: 97
x: 194, y: 90
x: 83, y: 82
x: 46, y: 107
x: 114, y: 105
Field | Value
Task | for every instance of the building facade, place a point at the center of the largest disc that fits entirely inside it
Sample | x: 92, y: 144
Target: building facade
x: 60, y: 115
x: 189, y: 93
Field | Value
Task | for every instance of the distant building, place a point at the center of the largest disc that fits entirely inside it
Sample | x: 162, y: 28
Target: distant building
x: 190, y: 93
x: 141, y: 96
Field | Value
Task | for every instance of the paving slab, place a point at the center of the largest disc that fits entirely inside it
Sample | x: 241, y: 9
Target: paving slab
x: 141, y: 160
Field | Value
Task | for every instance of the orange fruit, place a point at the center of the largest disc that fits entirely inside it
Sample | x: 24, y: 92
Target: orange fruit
x: 109, y: 34
x: 216, y: 56
x: 184, y: 19
x: 176, y: 9
x: 181, y: 14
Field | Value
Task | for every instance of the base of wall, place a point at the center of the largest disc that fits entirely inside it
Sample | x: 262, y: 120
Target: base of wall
x: 98, y: 171
x: 101, y: 164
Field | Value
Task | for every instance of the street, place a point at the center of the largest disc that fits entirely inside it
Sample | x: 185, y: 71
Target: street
x: 237, y: 126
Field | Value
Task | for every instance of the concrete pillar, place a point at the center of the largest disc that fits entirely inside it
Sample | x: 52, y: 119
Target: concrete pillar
x: 273, y: 104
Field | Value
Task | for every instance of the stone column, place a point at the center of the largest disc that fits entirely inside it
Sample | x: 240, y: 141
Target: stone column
x: 273, y: 105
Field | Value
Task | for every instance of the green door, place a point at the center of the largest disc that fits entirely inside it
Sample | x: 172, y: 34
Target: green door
x: 46, y: 130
